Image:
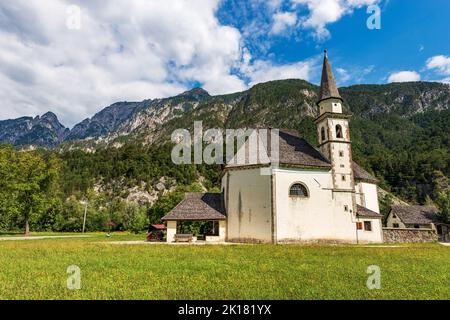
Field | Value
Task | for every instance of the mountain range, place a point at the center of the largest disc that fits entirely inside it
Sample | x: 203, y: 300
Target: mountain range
x: 283, y: 103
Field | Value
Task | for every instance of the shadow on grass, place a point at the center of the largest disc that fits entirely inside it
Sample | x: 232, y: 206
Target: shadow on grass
x: 13, y: 233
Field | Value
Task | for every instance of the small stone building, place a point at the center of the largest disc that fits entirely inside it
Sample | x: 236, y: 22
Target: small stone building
x: 418, y: 217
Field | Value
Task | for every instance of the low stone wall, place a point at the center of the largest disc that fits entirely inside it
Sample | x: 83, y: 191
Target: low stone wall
x: 396, y: 235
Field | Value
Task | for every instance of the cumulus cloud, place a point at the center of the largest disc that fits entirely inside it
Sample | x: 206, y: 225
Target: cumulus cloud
x: 439, y: 63
x: 263, y: 71
x: 324, y: 12
x: 441, y: 66
x: 139, y: 49
x: 353, y: 74
x: 404, y: 76
x: 124, y: 50
x: 283, y: 21
x: 343, y: 74
x: 274, y: 4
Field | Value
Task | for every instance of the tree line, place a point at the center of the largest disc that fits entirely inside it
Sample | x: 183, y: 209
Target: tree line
x: 50, y: 190
x: 45, y: 190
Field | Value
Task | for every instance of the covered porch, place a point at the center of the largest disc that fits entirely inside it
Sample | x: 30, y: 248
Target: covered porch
x: 443, y: 231
x: 199, y: 217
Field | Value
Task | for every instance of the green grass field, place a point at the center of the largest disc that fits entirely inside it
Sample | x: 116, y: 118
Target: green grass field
x: 36, y: 269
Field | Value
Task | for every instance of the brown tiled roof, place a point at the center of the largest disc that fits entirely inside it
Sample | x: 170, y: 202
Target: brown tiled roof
x: 416, y: 214
x: 328, y: 88
x: 158, y: 226
x: 296, y: 151
x: 364, y: 212
x: 198, y: 206
x: 293, y: 150
x: 362, y: 175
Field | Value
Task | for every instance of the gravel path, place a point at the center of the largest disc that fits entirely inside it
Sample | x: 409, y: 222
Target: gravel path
x: 198, y: 243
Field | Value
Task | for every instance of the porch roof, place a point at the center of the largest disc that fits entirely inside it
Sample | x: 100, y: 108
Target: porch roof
x: 367, y: 213
x: 198, y: 206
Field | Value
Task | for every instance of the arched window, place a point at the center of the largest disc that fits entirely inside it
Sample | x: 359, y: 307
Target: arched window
x: 322, y: 134
x: 298, y: 190
x: 339, y: 131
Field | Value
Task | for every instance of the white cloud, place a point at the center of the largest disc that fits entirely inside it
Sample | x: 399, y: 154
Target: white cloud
x: 283, y: 21
x: 353, y: 74
x: 343, y: 74
x: 125, y: 50
x: 324, y: 12
x: 263, y: 71
x: 440, y: 63
x: 139, y: 49
x: 274, y: 4
x: 404, y: 76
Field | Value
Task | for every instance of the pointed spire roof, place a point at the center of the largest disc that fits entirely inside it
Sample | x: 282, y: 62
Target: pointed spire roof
x: 328, y: 88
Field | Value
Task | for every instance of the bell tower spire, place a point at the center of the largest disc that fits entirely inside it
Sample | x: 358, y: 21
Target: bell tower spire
x: 333, y: 131
x: 328, y: 88
x: 329, y: 98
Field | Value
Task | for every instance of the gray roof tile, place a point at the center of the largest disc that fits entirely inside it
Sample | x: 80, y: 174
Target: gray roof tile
x: 416, y: 214
x: 362, y: 175
x: 364, y: 212
x: 198, y: 206
x: 296, y: 151
x: 328, y: 88
x: 293, y: 150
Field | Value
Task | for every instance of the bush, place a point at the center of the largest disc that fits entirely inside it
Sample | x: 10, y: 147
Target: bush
x: 443, y: 202
x: 136, y: 218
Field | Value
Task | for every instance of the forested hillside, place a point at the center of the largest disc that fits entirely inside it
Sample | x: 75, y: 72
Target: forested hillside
x: 400, y: 133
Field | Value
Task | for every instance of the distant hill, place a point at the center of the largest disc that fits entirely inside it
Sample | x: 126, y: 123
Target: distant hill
x: 283, y: 103
x: 400, y: 132
x: 43, y: 130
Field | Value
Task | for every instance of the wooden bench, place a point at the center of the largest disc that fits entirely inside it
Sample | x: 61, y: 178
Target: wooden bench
x: 183, y: 237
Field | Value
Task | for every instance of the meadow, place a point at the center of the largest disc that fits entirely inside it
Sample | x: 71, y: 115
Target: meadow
x: 37, y: 269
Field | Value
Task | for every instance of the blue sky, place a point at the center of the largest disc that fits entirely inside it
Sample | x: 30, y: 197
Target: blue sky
x: 411, y: 32
x: 75, y: 57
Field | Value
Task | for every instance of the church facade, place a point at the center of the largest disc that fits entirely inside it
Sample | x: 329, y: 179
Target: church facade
x: 296, y: 194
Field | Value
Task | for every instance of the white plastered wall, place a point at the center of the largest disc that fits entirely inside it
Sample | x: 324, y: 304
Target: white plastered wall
x: 391, y: 220
x: 367, y: 196
x: 338, y: 150
x: 321, y: 216
x: 374, y: 236
x: 171, y: 231
x: 330, y: 105
x: 249, y: 205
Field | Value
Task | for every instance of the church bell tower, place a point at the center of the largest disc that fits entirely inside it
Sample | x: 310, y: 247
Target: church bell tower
x: 333, y: 131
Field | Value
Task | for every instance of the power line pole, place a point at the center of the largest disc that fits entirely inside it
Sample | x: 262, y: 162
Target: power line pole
x: 85, y: 214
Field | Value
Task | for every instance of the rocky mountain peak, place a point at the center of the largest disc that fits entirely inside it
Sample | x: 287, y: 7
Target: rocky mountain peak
x: 196, y: 94
x: 52, y: 119
x: 45, y: 130
x: 282, y: 103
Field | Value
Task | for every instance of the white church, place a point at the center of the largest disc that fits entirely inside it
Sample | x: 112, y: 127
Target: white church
x: 305, y: 195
